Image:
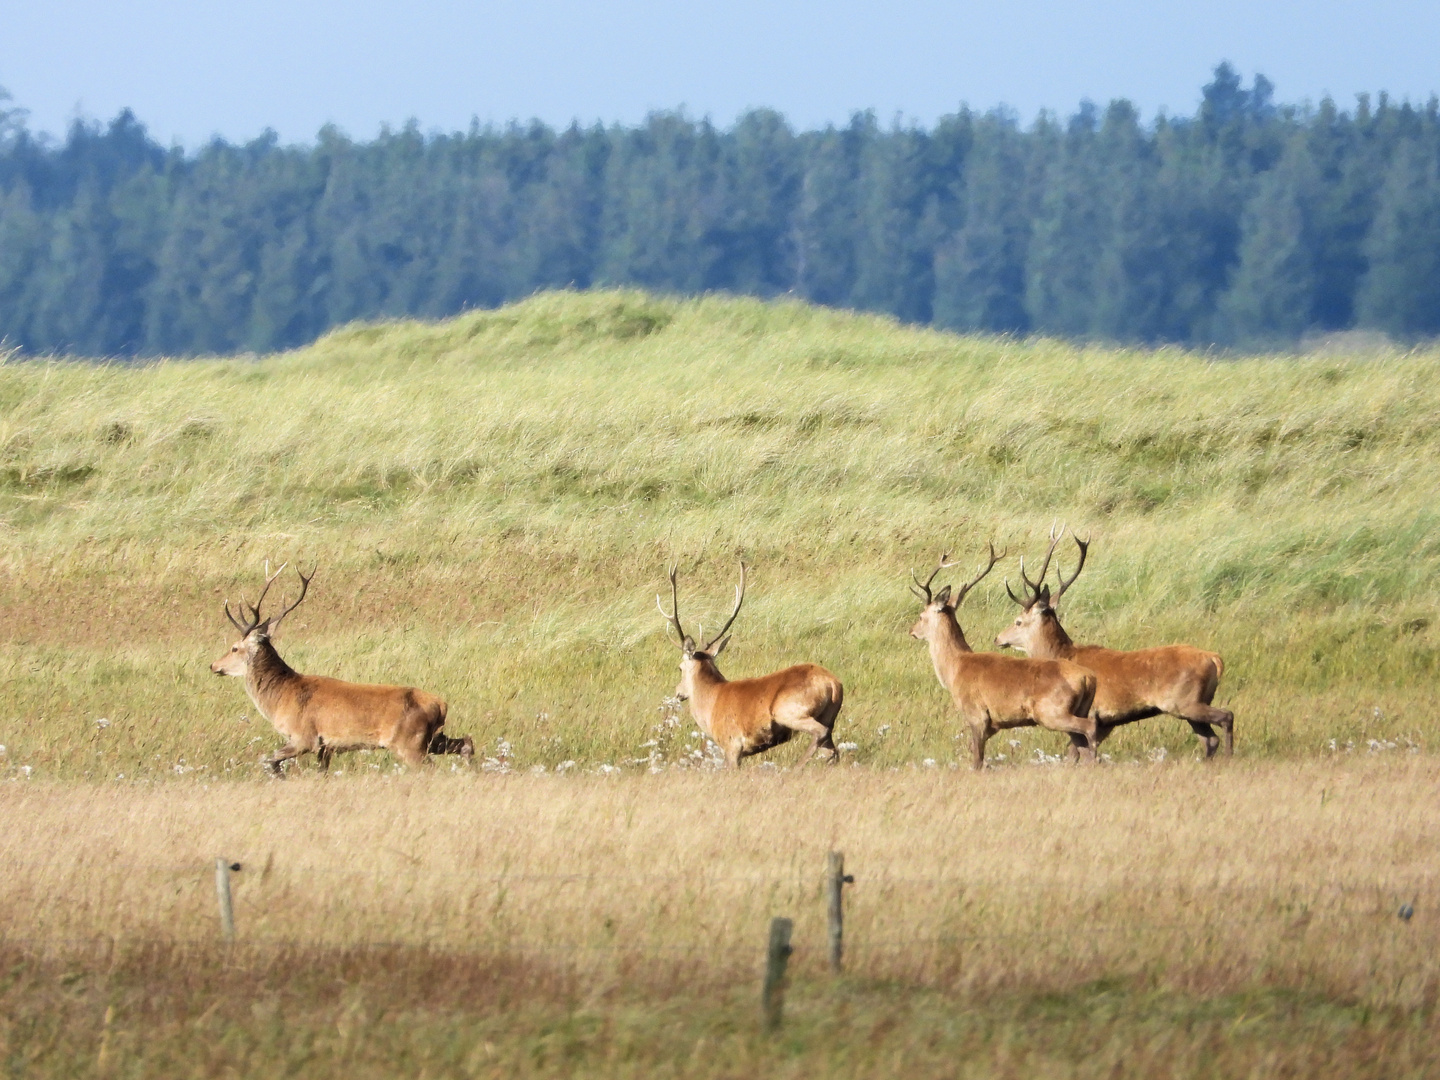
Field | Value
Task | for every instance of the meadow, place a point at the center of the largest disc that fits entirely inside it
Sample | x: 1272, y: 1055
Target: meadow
x: 493, y: 501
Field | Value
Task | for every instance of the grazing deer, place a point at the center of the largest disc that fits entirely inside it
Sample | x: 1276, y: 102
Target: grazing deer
x: 995, y: 692
x: 1175, y: 679
x: 327, y: 716
x: 749, y: 716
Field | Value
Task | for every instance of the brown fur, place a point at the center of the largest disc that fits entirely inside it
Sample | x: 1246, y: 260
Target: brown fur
x: 749, y: 716
x: 995, y: 692
x: 1177, y: 679
x: 325, y: 716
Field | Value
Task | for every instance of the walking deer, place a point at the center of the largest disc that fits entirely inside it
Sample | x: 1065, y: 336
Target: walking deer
x: 325, y: 716
x: 1133, y: 685
x: 995, y: 692
x: 749, y: 716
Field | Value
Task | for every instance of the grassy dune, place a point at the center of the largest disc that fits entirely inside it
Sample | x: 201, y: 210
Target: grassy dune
x: 493, y: 500
x: 1145, y: 920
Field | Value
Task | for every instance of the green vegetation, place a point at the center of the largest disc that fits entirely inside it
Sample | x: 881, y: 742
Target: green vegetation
x: 493, y: 501
x: 1245, y: 223
x: 200, y: 1013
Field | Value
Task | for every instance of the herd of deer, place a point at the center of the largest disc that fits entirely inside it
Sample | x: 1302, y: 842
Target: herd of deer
x: 1085, y: 691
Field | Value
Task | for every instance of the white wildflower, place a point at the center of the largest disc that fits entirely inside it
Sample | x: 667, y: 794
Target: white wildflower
x: 883, y: 730
x: 848, y: 746
x: 103, y: 722
x: 564, y: 766
x: 929, y: 763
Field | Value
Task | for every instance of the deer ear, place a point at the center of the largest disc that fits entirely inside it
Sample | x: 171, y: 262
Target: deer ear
x: 1045, y: 595
x: 689, y: 645
x: 943, y: 597
x: 721, y: 647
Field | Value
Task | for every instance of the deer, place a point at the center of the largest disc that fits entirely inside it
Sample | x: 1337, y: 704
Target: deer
x: 1133, y: 685
x: 994, y: 692
x: 749, y: 716
x: 325, y: 716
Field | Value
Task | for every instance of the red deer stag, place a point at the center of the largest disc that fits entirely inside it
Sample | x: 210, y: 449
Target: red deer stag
x: 995, y: 692
x: 327, y: 716
x: 1175, y: 679
x: 749, y: 716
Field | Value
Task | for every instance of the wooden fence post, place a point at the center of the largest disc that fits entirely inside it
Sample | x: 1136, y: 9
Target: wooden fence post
x: 772, y: 998
x: 835, y: 881
x: 222, y: 892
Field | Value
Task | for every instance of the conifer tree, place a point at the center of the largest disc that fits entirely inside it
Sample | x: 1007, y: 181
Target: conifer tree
x: 1401, y: 292
x: 1272, y: 293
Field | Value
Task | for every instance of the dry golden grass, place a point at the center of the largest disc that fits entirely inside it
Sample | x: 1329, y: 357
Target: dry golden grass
x: 1183, y: 883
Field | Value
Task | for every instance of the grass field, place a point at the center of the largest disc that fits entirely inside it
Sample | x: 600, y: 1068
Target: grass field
x: 1142, y: 920
x: 493, y: 501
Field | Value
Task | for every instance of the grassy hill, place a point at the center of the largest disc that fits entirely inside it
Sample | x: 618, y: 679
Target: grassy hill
x: 493, y: 500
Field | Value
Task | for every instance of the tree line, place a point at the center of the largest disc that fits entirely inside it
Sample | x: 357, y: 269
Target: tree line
x: 1248, y: 223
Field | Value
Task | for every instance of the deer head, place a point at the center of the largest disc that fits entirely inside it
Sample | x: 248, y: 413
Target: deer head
x: 1038, y: 621
x: 696, y: 658
x: 940, y: 607
x: 255, y: 630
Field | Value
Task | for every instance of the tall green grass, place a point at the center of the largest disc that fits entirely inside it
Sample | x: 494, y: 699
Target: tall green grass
x: 492, y: 501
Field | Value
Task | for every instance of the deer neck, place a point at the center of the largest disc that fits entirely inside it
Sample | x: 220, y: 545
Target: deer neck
x: 705, y: 686
x: 266, y: 678
x: 1051, y: 641
x: 948, y: 649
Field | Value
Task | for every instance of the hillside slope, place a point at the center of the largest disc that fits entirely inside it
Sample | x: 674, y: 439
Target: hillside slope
x: 492, y: 501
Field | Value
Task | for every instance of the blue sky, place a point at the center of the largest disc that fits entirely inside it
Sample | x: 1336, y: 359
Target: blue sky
x: 195, y: 68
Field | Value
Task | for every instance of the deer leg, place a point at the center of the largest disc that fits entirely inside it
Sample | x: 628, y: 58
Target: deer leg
x: 410, y: 754
x: 1077, y: 740
x: 443, y: 744
x: 827, y: 741
x: 808, y: 725
x: 323, y: 754
x: 274, y: 761
x: 1200, y: 717
x: 978, y: 737
x: 1059, y: 718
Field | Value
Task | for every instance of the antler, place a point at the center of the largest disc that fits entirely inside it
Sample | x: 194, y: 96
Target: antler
x: 1032, y: 588
x: 739, y: 599
x: 923, y: 591
x: 1084, y: 546
x: 674, y: 617
x: 304, y: 588
x: 964, y: 589
x: 254, y: 618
